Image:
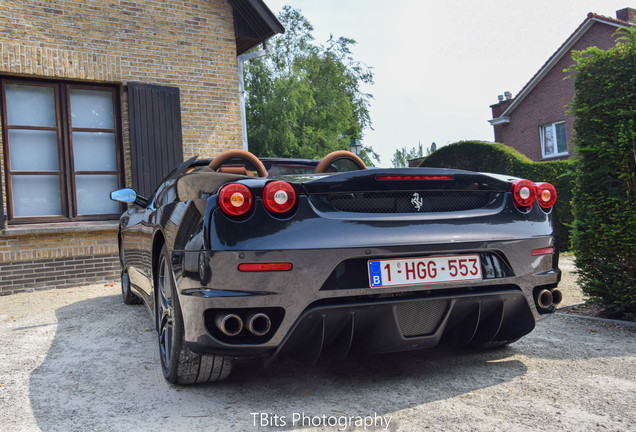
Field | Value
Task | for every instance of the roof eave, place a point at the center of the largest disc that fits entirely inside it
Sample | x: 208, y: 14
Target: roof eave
x: 499, y: 120
x: 254, y: 24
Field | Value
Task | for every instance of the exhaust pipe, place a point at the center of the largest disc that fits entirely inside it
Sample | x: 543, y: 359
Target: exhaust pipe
x: 544, y: 299
x: 259, y: 324
x: 229, y: 324
x: 557, y: 297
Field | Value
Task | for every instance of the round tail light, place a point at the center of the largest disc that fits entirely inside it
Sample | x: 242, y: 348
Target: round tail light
x: 523, y: 193
x: 546, y: 195
x: 235, y: 199
x: 279, y: 197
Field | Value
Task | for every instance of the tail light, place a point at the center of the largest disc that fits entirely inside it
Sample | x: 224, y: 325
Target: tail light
x: 414, y: 177
x: 279, y: 197
x: 523, y: 193
x: 235, y: 199
x: 546, y: 195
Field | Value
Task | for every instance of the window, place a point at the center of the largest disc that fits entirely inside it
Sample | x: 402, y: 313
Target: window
x: 62, y: 151
x: 553, y: 140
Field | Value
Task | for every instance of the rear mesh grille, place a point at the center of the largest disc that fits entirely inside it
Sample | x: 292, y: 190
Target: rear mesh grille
x: 409, y: 202
x: 421, y: 317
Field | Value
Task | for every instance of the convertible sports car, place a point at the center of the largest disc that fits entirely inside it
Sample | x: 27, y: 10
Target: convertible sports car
x: 311, y: 260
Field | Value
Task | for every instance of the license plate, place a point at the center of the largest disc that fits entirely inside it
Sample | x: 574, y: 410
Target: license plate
x: 417, y: 271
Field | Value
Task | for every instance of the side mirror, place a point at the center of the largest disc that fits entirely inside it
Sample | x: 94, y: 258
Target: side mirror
x: 128, y: 195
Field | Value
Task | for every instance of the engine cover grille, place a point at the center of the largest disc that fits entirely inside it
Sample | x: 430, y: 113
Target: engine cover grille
x: 409, y: 202
x: 420, y: 317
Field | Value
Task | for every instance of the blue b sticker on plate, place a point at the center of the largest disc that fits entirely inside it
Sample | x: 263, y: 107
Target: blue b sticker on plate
x: 375, y: 273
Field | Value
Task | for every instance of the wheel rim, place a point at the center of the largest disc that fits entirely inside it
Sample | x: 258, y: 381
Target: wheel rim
x: 165, y: 312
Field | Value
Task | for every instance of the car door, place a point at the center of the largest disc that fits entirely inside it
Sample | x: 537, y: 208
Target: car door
x: 137, y: 240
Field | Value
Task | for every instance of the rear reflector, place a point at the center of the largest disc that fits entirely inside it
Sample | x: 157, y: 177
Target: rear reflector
x: 543, y: 251
x: 264, y: 267
x: 414, y: 177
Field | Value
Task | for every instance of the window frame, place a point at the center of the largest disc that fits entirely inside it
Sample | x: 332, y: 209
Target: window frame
x: 556, y: 153
x: 64, y: 132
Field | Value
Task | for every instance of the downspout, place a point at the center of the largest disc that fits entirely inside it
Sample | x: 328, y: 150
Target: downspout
x: 240, y: 59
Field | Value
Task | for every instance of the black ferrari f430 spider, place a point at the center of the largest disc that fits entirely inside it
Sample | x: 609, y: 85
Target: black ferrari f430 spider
x: 316, y: 260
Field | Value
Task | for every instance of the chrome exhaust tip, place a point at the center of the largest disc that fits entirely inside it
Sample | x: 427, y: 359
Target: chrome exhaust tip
x: 544, y: 299
x: 557, y: 297
x: 259, y: 324
x: 229, y: 324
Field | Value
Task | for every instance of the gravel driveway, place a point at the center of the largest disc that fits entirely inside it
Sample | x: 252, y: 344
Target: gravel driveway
x: 79, y: 359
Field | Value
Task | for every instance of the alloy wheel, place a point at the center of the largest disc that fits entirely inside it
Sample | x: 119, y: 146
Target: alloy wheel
x: 165, y: 312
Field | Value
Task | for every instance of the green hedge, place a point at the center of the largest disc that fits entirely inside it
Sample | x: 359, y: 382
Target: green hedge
x: 604, y: 234
x: 501, y: 159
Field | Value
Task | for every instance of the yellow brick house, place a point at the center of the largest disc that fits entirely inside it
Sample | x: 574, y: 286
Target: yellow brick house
x: 97, y: 95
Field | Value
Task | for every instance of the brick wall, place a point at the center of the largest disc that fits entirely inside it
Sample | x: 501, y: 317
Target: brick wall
x: 57, y: 273
x: 547, y: 102
x: 189, y: 44
x: 58, y: 259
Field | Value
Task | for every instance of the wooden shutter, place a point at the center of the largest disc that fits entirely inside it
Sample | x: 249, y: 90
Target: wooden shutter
x: 155, y: 134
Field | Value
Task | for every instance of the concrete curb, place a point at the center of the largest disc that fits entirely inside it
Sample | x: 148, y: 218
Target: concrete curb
x: 604, y: 320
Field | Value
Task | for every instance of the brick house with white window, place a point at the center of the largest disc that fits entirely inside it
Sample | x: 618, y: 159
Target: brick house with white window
x: 95, y: 96
x: 535, y: 122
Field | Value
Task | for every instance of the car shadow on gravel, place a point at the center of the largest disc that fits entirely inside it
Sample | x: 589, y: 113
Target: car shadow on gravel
x: 102, y: 372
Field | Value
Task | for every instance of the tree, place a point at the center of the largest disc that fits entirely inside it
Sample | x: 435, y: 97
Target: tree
x: 401, y: 157
x: 305, y: 100
x: 369, y: 156
x: 604, y: 196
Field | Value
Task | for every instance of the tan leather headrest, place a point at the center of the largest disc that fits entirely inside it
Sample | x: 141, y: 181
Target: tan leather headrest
x: 235, y: 170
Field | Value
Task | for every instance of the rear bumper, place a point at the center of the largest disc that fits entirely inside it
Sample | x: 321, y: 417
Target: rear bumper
x: 311, y: 321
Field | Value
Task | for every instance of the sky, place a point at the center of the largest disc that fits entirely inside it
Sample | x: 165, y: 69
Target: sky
x: 439, y: 65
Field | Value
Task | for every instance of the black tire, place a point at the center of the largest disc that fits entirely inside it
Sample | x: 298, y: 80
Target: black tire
x: 204, y: 270
x: 126, y: 293
x: 179, y: 364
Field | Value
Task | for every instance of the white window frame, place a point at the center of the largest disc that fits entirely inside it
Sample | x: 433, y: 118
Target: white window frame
x: 556, y: 153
